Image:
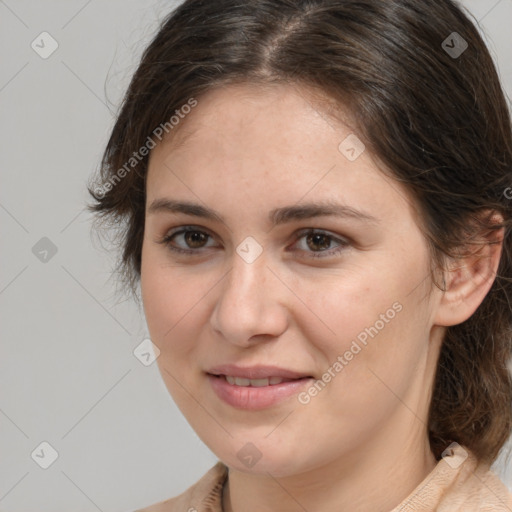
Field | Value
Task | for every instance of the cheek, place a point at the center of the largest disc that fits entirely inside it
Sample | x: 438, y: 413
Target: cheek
x: 381, y: 358
x: 174, y: 307
x: 363, y: 382
x: 171, y: 309
x: 339, y: 308
x: 373, y: 323
x: 163, y: 298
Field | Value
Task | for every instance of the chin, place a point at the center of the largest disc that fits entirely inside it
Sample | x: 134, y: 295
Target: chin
x: 253, y: 458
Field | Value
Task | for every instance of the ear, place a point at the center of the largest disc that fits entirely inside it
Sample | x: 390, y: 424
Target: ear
x: 469, y: 278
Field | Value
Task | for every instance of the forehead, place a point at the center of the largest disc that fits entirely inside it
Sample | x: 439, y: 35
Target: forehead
x: 247, y: 123
x: 246, y: 132
x: 238, y: 106
x: 247, y: 140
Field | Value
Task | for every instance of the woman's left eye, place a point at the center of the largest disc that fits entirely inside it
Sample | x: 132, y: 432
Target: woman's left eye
x: 317, y: 242
x: 315, y: 238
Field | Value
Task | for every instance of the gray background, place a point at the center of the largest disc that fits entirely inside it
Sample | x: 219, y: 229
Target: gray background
x: 68, y: 375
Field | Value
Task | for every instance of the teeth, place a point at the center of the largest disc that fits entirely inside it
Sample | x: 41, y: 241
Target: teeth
x: 259, y: 382
x: 239, y: 381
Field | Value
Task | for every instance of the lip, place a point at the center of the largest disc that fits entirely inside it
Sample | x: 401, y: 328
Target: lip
x: 256, y: 372
x: 255, y: 398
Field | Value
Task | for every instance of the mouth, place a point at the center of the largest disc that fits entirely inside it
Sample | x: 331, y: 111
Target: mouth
x: 255, y: 373
x: 256, y: 388
x: 256, y: 383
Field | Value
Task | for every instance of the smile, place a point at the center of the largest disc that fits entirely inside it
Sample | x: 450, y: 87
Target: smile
x: 256, y: 394
x: 240, y: 381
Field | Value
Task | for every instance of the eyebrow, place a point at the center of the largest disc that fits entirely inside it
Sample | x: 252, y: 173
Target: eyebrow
x: 276, y: 216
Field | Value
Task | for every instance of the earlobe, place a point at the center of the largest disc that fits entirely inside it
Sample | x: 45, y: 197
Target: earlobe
x: 469, y: 280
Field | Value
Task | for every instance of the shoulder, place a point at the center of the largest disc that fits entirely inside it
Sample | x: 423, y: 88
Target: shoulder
x: 204, y: 495
x: 459, y: 483
x: 488, y: 491
x: 477, y: 487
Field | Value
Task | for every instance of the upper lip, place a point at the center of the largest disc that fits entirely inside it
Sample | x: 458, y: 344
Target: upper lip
x: 256, y: 372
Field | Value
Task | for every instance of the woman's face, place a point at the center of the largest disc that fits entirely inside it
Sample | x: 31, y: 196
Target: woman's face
x: 336, y: 302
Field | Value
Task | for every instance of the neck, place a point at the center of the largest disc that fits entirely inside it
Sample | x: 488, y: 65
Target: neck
x: 375, y: 479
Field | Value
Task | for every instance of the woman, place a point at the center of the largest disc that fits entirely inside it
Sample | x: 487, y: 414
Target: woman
x: 312, y: 195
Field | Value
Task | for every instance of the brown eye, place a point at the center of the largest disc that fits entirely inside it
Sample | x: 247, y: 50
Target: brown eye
x: 191, y: 240
x: 318, y: 244
x: 318, y: 241
x: 195, y: 239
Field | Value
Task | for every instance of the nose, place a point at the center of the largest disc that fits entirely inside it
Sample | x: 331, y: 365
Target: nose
x: 250, y: 305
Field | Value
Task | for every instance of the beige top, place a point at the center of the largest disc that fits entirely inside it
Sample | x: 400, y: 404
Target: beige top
x: 456, y: 484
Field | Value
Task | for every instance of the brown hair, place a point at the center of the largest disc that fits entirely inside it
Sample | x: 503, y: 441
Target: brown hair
x: 436, y: 117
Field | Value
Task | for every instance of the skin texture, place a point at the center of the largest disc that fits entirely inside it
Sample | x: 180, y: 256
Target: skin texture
x: 361, y: 443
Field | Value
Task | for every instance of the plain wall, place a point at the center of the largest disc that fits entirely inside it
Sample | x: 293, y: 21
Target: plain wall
x: 68, y: 375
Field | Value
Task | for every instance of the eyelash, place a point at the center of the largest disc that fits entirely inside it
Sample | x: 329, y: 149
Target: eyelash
x: 167, y: 239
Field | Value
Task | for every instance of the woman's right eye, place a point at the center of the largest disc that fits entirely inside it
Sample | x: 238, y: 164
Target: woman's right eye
x: 192, y: 238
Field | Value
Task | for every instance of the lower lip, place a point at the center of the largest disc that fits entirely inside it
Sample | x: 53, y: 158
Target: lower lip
x: 255, y: 398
